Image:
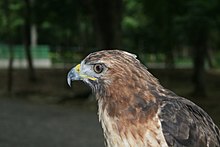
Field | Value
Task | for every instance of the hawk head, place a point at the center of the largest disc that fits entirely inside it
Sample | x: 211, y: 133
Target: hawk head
x: 121, y: 85
x: 108, y: 71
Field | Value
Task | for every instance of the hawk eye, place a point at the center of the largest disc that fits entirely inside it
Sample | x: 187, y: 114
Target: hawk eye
x: 98, y: 68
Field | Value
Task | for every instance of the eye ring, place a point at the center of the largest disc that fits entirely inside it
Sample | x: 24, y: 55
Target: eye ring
x: 98, y: 68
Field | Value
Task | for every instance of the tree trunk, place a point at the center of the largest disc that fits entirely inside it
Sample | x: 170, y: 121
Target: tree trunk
x: 33, y: 35
x: 27, y: 40
x: 210, y: 58
x: 9, y: 42
x: 169, y: 58
x: 107, y: 16
x: 200, y: 50
x: 10, y: 68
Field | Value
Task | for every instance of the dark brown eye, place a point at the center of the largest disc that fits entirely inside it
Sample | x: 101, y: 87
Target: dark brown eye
x: 98, y: 68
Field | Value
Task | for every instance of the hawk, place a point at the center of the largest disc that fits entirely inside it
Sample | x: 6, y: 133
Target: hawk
x: 136, y: 111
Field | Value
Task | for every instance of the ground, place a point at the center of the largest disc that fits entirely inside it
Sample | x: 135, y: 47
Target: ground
x: 49, y: 113
x: 36, y: 125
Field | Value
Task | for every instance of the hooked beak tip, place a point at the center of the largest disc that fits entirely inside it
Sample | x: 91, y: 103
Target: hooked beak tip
x: 69, y: 81
x: 72, y: 75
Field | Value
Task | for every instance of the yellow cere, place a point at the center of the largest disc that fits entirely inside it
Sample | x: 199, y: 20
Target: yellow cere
x: 77, y: 68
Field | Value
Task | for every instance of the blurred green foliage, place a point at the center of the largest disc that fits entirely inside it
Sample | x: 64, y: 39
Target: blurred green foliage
x: 147, y: 26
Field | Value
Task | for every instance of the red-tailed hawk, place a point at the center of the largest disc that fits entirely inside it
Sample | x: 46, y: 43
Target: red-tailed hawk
x: 136, y: 111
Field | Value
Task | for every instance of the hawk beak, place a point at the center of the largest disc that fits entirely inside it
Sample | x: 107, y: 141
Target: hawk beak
x: 73, y: 74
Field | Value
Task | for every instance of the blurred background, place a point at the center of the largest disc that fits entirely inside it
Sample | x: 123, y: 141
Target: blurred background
x: 41, y: 40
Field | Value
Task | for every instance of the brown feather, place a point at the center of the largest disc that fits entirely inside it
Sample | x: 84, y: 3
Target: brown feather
x: 135, y: 110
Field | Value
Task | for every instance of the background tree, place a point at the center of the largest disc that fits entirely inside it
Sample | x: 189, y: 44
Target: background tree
x: 134, y: 26
x: 61, y: 26
x: 164, y: 26
x: 27, y: 38
x: 200, y: 21
x: 10, y: 23
x: 6, y: 4
x: 107, y: 16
